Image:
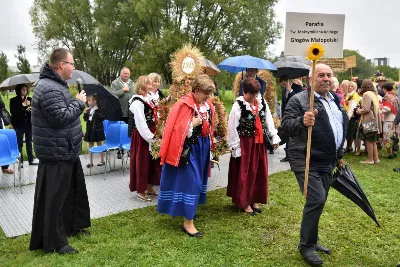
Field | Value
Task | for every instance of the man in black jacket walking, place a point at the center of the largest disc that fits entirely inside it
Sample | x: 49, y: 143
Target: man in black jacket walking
x: 61, y: 204
x: 329, y: 121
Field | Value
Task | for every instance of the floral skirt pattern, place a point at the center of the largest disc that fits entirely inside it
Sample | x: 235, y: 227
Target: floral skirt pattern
x: 390, y: 131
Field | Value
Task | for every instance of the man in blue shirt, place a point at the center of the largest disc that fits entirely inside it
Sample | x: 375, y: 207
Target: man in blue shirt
x: 329, y: 121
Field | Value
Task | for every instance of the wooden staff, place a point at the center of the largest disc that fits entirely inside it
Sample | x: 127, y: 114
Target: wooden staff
x: 309, y: 131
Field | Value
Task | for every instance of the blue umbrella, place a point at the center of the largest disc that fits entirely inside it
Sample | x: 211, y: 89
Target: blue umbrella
x: 240, y: 63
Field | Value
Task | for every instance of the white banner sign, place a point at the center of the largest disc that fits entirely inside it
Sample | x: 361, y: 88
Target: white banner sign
x: 304, y: 29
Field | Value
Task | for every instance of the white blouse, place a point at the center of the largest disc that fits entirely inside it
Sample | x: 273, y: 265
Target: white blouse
x: 233, y: 123
x: 155, y: 97
x: 203, y: 108
x: 137, y: 108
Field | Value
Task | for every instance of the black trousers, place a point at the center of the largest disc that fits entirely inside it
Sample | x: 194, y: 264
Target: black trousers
x: 317, y: 193
x: 61, y: 204
x: 26, y: 130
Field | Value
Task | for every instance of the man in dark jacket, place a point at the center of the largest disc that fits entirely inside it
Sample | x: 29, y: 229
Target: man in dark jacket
x: 252, y: 73
x: 61, y: 205
x: 329, y: 121
x: 287, y: 93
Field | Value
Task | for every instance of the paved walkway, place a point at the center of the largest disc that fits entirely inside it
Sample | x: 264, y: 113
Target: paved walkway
x: 108, y: 193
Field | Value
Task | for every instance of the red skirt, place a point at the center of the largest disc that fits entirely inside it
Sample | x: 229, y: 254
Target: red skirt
x: 248, y: 174
x: 143, y: 168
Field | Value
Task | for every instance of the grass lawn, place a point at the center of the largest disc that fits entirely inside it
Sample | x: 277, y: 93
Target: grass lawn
x: 145, y: 238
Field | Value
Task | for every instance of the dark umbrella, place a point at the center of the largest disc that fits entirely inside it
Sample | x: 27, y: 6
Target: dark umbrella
x: 11, y: 82
x: 346, y: 183
x: 292, y: 67
x: 106, y: 100
x: 85, y: 77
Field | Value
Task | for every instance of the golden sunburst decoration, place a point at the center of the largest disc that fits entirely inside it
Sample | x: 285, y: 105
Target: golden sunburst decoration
x: 315, y: 51
x: 185, y: 63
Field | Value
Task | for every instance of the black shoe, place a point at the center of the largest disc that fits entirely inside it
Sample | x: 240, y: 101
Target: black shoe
x: 271, y: 151
x: 258, y: 210
x: 251, y: 213
x: 285, y: 159
x: 33, y: 163
x: 311, y: 256
x: 81, y: 232
x: 22, y: 165
x: 198, y: 234
x: 67, y: 250
x: 323, y: 249
x: 396, y: 169
x: 89, y: 165
x: 394, y: 155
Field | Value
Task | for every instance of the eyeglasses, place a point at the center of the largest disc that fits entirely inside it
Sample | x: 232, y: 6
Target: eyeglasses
x: 72, y: 63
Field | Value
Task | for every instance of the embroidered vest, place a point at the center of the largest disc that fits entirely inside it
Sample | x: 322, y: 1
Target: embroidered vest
x: 248, y: 120
x: 148, y: 114
x: 197, y: 131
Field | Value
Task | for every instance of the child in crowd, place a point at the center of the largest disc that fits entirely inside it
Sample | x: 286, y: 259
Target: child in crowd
x: 94, y: 117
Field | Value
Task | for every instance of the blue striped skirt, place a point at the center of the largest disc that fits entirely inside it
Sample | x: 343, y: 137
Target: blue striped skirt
x: 182, y: 188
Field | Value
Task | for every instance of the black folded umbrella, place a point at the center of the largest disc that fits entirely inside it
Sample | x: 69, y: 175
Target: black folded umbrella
x: 106, y: 100
x: 346, y: 183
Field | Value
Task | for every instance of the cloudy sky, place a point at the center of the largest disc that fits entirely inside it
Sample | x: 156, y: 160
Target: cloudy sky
x: 370, y: 26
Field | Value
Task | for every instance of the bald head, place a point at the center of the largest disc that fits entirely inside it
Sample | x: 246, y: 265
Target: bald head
x: 323, y: 79
x: 125, y: 74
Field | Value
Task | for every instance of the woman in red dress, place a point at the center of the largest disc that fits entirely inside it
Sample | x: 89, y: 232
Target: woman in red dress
x: 250, y: 121
x: 144, y: 170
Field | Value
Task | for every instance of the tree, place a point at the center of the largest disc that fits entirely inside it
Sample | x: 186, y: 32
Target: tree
x: 218, y: 28
x: 23, y: 63
x: 101, y: 34
x: 364, y: 69
x: 108, y: 34
x: 3, y: 66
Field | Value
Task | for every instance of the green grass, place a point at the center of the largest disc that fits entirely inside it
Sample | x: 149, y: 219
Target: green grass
x: 143, y: 237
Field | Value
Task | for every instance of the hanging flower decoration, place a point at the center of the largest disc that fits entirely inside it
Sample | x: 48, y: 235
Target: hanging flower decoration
x: 315, y: 51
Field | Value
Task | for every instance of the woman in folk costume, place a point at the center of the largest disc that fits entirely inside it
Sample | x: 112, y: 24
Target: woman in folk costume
x: 389, y: 110
x: 144, y: 170
x: 249, y: 120
x: 155, y: 93
x: 185, y: 154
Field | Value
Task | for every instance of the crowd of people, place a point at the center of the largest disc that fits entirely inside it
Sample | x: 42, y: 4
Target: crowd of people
x: 343, y: 115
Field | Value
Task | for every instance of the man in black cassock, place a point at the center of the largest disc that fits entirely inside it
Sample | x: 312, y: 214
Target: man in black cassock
x: 61, y: 206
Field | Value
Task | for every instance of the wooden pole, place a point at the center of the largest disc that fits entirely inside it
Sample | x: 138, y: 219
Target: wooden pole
x: 309, y: 131
x: 351, y: 73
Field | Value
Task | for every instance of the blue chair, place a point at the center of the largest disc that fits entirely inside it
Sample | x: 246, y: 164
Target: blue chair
x: 5, y: 156
x: 12, y: 140
x: 107, y: 123
x: 125, y: 140
x: 112, y: 143
x: 105, y: 126
x: 125, y: 143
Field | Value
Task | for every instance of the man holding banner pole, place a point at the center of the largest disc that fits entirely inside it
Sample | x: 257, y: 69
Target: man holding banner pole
x: 329, y: 125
